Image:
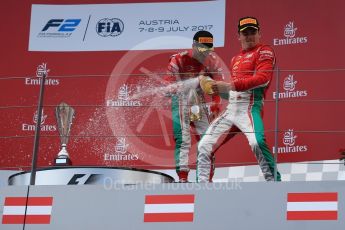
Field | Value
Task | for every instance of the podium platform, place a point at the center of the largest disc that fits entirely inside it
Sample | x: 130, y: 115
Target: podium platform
x: 170, y: 206
x: 91, y: 176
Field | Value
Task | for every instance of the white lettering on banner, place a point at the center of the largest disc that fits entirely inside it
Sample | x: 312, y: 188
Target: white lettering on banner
x: 40, y: 70
x: 123, y: 98
x: 290, y: 39
x: 111, y: 103
x: 158, y: 22
x: 121, y: 153
x: 44, y: 127
x: 37, y: 81
x: 170, y: 29
x: 289, y: 87
x: 102, y: 27
x: 289, y: 140
x: 119, y: 157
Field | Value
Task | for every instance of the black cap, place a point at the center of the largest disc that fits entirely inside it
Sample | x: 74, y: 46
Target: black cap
x: 248, y: 22
x: 203, y: 37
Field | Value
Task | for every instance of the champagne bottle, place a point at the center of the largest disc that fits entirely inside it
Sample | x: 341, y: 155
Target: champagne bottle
x: 206, y: 84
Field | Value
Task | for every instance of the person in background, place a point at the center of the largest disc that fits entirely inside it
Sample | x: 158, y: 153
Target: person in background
x: 188, y: 103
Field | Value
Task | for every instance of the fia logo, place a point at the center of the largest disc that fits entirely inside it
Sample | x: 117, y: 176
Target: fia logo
x: 289, y: 138
x: 109, y: 27
x: 121, y: 146
x: 290, y: 30
x: 289, y: 83
x: 43, y: 117
x: 42, y: 69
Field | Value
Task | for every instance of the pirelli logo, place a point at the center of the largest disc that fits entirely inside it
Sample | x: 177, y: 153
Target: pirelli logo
x: 205, y: 40
x: 248, y: 21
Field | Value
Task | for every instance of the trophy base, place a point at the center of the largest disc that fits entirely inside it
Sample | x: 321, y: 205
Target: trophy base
x: 62, y: 161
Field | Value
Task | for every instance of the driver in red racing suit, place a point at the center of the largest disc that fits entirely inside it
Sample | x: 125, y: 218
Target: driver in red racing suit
x: 183, y: 67
x: 252, y: 71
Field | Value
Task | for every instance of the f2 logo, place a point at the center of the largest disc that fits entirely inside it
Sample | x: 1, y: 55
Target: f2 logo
x: 67, y: 25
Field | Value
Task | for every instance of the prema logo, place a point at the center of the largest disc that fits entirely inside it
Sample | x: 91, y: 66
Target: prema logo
x: 289, y: 140
x: 40, y: 70
x: 290, y: 36
x: 121, y: 153
x: 109, y: 27
x: 123, y: 98
x: 59, y: 28
x: 44, y: 127
x: 289, y: 86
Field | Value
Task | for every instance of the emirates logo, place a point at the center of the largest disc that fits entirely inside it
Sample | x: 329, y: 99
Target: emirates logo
x: 43, y: 126
x: 290, y: 30
x: 121, y: 153
x: 42, y: 69
x: 290, y: 91
x: 43, y: 117
x: 121, y: 146
x: 123, y: 98
x: 289, y: 83
x: 289, y: 138
x: 290, y: 37
x: 289, y: 141
x: 123, y: 93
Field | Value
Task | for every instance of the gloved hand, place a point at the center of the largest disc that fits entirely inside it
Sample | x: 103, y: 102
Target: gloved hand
x: 221, y: 87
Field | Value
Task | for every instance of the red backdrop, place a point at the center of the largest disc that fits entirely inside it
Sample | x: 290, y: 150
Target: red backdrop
x: 311, y: 108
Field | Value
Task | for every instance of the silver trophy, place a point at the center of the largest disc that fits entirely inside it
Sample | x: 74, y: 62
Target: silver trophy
x: 64, y: 116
